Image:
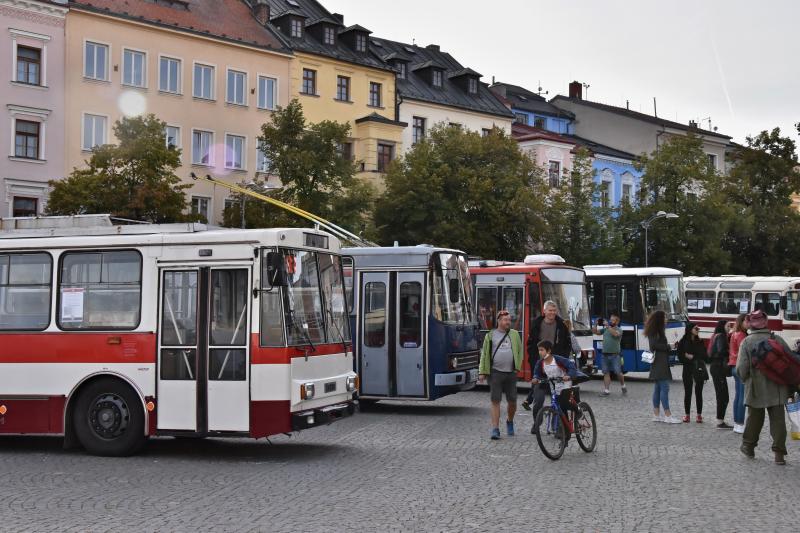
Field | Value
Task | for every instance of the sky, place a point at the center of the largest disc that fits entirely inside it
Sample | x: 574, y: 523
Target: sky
x: 735, y: 62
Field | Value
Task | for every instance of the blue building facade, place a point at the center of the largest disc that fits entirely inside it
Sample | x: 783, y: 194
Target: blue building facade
x: 531, y: 109
x: 615, y: 171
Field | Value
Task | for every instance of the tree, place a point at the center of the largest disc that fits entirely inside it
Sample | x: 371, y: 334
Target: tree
x: 678, y: 178
x: 314, y: 176
x: 765, y: 236
x: 134, y: 179
x: 459, y: 189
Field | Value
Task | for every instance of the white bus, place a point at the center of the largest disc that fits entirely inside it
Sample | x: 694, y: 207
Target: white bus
x: 710, y: 299
x: 110, y: 334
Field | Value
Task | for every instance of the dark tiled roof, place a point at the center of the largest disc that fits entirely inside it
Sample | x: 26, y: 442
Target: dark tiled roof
x: 601, y: 149
x: 289, y: 13
x: 375, y: 117
x: 525, y: 100
x: 635, y: 115
x: 314, y: 11
x: 464, y: 72
x: 523, y: 132
x: 415, y: 86
x: 229, y: 20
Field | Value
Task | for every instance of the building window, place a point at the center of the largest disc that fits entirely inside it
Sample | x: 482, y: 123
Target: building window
x: 485, y: 132
x: 202, y: 142
x: 29, y: 65
x: 267, y: 92
x: 418, y: 129
x: 200, y: 206
x: 173, y: 136
x: 343, y: 88
x: 385, y: 156
x: 346, y: 151
x: 605, y: 194
x: 554, y: 174
x: 25, y: 207
x: 133, y: 68
x: 401, y: 70
x: 437, y: 78
x: 375, y: 94
x: 263, y: 163
x: 203, y: 82
x: 169, y: 78
x: 521, y: 118
x: 329, y: 36
x: 712, y: 161
x: 96, y: 61
x: 237, y: 85
x: 361, y: 42
x: 309, y: 81
x: 94, y: 131
x: 540, y: 122
x: 234, y: 152
x: 473, y: 86
x: 627, y: 193
x: 296, y: 28
x: 26, y: 143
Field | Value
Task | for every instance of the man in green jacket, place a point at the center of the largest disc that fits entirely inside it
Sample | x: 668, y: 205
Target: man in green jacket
x: 501, y: 359
x: 761, y: 394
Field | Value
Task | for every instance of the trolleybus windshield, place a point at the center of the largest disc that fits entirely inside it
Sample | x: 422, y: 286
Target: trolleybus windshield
x: 452, y: 289
x: 664, y: 294
x: 567, y: 288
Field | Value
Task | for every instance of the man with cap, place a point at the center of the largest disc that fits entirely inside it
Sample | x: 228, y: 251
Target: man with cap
x: 761, y: 393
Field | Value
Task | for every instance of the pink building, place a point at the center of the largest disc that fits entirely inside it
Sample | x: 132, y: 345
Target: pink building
x: 550, y: 150
x: 32, y: 62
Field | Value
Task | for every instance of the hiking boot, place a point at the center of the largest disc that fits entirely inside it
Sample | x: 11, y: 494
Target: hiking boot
x: 747, y: 451
x: 495, y: 434
x: 510, y: 428
x: 526, y: 405
x: 780, y: 458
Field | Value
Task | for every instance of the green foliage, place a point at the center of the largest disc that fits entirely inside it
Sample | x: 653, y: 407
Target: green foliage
x: 134, y: 179
x: 313, y: 174
x: 466, y: 191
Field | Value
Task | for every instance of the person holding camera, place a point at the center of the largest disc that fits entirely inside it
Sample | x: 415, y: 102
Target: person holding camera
x: 612, y: 351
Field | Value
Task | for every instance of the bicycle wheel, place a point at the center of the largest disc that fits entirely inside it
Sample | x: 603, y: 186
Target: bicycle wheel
x: 586, y: 428
x: 551, y: 433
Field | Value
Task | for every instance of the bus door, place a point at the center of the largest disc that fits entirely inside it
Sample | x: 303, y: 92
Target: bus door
x: 374, y: 343
x: 203, y: 361
x: 410, y: 360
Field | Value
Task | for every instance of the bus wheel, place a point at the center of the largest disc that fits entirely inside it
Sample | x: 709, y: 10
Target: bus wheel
x: 108, y: 418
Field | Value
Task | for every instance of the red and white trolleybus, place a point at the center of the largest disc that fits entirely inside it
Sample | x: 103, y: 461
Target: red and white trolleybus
x: 110, y: 334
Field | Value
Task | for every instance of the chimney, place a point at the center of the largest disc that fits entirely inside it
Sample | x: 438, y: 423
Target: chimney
x: 338, y: 17
x: 692, y: 124
x: 261, y: 11
x: 434, y: 47
x: 576, y: 90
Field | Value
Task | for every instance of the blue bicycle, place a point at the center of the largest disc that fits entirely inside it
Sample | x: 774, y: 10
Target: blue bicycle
x: 553, y: 426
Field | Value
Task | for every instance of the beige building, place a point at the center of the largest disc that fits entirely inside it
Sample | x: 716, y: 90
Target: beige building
x: 210, y: 70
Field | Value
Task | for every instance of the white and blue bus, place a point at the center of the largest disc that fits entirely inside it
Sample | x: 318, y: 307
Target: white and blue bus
x: 634, y: 293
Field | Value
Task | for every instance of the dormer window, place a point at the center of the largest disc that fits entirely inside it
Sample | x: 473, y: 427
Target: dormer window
x: 329, y: 35
x: 437, y: 78
x: 401, y: 70
x: 296, y: 28
x: 473, y: 86
x: 361, y: 42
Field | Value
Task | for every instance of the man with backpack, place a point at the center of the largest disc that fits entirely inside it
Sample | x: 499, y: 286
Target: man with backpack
x: 501, y: 359
x: 765, y: 389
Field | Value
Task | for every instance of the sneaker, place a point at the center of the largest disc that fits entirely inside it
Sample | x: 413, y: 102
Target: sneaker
x: 671, y: 420
x: 510, y: 428
x: 495, y: 434
x: 699, y: 419
x: 723, y: 425
x: 658, y: 418
x: 605, y: 393
x: 747, y: 451
x: 685, y: 419
x: 526, y: 405
x: 624, y: 391
x: 738, y: 428
x: 780, y: 458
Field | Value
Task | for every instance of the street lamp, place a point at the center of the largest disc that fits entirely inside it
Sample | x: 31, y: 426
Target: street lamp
x: 646, y: 225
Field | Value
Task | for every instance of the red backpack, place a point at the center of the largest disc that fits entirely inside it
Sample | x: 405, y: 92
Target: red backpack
x: 771, y: 359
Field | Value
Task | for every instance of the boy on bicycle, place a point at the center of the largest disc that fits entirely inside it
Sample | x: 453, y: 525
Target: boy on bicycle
x: 553, y: 366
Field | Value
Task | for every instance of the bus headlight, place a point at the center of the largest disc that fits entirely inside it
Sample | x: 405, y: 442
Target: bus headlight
x: 454, y: 362
x: 307, y: 391
x: 352, y: 383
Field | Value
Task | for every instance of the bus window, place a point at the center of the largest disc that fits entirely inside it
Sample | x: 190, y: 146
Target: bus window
x: 374, y: 314
x: 733, y: 302
x: 348, y: 272
x: 664, y: 294
x: 626, y: 302
x: 769, y: 302
x: 410, y: 319
x: 302, y: 300
x: 100, y: 290
x: 610, y: 301
x: 536, y: 300
x: 487, y: 307
x: 571, y: 301
x: 792, y: 311
x: 25, y: 291
x: 452, y: 289
x: 700, y: 301
x: 514, y: 303
x: 330, y: 272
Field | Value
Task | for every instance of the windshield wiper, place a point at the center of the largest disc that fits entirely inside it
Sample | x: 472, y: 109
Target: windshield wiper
x: 301, y: 330
x: 338, y: 331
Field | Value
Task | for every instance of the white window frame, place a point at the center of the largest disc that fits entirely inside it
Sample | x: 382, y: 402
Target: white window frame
x: 560, y: 172
x: 178, y: 139
x: 243, y: 152
x: 83, y: 130
x: 107, y: 77
x: 210, y: 148
x: 236, y: 72
x: 607, y: 179
x: 43, y: 51
x: 472, y: 85
x: 261, y: 158
x: 326, y: 32
x: 716, y: 160
x: 144, y: 67
x: 213, y: 68
x: 40, y: 149
x: 208, y: 200
x: 31, y: 114
x: 437, y: 75
x: 162, y: 57
x: 296, y: 24
x: 627, y: 179
x: 274, y: 91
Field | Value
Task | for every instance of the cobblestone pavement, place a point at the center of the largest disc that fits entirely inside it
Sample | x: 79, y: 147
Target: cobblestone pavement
x: 414, y: 467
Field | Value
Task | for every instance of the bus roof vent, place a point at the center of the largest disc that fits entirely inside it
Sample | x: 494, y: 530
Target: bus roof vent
x: 544, y: 259
x: 602, y: 266
x: 84, y: 225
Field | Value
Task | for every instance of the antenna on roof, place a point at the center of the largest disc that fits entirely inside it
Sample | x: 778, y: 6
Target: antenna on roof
x: 540, y: 89
x: 655, y: 108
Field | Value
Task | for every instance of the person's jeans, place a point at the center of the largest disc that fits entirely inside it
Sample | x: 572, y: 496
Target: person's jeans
x: 738, y: 400
x: 777, y: 428
x: 537, y: 396
x: 661, y: 394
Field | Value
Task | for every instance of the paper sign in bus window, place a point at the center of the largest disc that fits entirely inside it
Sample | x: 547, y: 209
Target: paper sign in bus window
x: 72, y: 304
x: 743, y: 306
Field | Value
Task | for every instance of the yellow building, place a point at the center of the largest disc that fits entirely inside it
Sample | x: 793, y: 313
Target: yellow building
x: 336, y: 75
x: 210, y: 69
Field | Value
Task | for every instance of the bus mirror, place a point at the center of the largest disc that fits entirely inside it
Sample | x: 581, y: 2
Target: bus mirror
x: 784, y: 302
x: 276, y: 270
x: 454, y: 290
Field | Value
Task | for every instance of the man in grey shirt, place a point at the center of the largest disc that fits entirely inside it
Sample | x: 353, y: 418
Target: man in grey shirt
x: 501, y: 359
x: 503, y: 356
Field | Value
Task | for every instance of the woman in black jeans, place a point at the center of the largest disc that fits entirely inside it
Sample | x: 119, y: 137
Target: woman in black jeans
x: 718, y: 355
x: 692, y: 353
